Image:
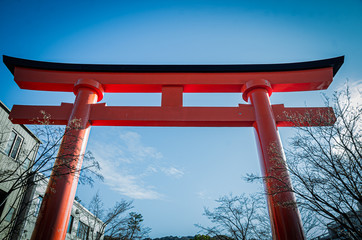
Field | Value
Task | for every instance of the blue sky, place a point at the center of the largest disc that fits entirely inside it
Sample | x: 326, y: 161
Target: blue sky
x: 172, y: 173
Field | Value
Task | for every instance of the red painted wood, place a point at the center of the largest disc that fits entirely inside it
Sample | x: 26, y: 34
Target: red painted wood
x: 56, y: 207
x: 284, y: 216
x: 172, y: 96
x: 175, y: 116
x: 63, y: 81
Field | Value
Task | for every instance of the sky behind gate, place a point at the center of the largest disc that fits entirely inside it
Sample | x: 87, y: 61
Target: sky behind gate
x: 172, y: 173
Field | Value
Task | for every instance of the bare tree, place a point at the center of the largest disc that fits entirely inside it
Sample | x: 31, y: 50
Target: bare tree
x: 115, y: 222
x: 134, y: 227
x: 312, y: 223
x: 325, y: 166
x: 238, y: 217
x: 34, y: 164
x: 96, y: 208
x: 117, y: 225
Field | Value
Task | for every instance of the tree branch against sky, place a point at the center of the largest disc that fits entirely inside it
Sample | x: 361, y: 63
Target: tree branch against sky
x: 24, y: 173
x: 114, y: 219
x: 325, y: 165
x: 238, y: 217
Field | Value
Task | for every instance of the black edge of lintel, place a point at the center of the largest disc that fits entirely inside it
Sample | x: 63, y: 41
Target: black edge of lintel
x: 12, y: 62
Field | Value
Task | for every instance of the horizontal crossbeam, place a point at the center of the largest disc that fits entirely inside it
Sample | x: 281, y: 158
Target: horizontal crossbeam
x: 241, y: 116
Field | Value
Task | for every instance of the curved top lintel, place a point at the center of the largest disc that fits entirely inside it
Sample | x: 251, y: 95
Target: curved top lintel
x: 284, y: 77
x: 335, y: 63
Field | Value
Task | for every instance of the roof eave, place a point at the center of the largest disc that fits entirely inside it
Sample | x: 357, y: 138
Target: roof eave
x: 12, y: 62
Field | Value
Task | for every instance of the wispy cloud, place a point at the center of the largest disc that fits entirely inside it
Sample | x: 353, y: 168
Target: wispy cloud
x: 355, y: 89
x: 204, y: 195
x: 173, y: 172
x: 135, y: 149
x: 126, y: 184
x: 127, y: 161
x: 356, y: 92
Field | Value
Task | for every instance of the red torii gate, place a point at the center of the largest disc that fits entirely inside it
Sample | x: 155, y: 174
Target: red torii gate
x: 90, y: 81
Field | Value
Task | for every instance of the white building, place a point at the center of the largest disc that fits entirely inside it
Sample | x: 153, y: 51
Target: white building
x: 18, y: 147
x: 82, y: 223
x: 19, y: 206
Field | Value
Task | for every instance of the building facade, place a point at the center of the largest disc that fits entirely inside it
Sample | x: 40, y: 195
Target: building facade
x: 18, y: 148
x: 22, y: 190
x: 336, y: 232
x: 83, y: 225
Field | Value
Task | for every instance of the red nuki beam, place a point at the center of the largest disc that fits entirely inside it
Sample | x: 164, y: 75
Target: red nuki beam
x: 257, y: 82
x: 242, y: 116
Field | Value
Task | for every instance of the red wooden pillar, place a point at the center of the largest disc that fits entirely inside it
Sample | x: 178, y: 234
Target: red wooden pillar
x: 285, y: 218
x: 58, y: 200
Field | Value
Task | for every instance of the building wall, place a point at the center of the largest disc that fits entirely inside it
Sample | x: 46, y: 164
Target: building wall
x: 18, y: 147
x: 337, y: 232
x: 25, y: 201
x: 92, y: 224
x: 79, y: 213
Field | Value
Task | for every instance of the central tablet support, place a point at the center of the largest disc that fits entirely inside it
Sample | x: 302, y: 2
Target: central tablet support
x: 89, y: 82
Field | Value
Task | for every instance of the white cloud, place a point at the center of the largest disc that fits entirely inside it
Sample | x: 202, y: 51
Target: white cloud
x: 204, y: 195
x: 135, y: 148
x: 124, y: 183
x: 173, y: 172
x: 122, y: 165
x: 356, y: 92
x: 355, y: 88
x: 127, y: 162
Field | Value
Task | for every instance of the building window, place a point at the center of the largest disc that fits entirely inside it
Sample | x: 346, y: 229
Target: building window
x: 38, y: 204
x: 83, y: 231
x: 3, y: 196
x: 9, y: 215
x: 91, y: 233
x: 70, y: 224
x: 14, y: 144
x: 26, y: 163
x: 98, y: 236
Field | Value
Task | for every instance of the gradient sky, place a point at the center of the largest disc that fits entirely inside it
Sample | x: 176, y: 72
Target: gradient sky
x: 172, y: 173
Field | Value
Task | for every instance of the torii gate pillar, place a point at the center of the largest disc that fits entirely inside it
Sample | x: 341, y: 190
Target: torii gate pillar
x: 62, y: 186
x: 285, y: 220
x: 257, y: 82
